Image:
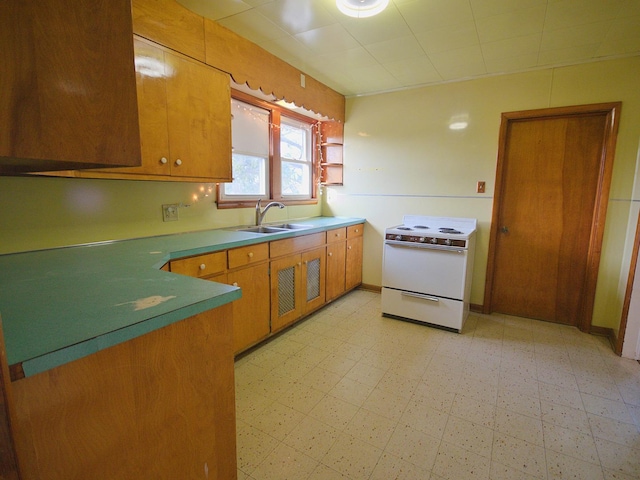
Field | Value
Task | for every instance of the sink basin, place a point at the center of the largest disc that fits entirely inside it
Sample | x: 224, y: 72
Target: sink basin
x: 262, y: 229
x: 291, y: 226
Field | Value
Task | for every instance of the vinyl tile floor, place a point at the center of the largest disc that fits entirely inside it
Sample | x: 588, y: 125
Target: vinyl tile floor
x: 349, y: 394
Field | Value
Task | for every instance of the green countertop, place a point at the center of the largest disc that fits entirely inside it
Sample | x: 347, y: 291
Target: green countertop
x: 62, y: 304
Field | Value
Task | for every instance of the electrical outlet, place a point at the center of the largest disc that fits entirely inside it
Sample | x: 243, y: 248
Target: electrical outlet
x: 170, y: 212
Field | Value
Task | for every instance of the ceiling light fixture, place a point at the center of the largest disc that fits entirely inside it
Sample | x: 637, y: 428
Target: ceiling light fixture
x: 361, y: 8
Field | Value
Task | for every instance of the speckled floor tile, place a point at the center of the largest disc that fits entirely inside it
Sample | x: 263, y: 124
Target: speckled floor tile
x: 350, y: 395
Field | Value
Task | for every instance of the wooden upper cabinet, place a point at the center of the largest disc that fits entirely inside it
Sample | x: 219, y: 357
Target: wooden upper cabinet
x: 185, y: 118
x: 199, y: 117
x: 170, y: 24
x: 68, y: 92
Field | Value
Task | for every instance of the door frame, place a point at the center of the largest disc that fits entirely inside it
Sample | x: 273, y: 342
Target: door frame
x: 612, y: 112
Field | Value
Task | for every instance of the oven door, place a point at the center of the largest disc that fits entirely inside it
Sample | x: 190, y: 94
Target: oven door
x: 423, y: 269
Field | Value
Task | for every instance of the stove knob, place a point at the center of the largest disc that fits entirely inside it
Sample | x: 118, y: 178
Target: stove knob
x: 422, y: 239
x: 447, y: 242
x: 398, y: 237
x: 434, y: 240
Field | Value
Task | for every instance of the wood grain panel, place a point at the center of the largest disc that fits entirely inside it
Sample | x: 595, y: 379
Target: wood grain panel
x: 248, y: 63
x: 170, y: 24
x: 9, y: 469
x: 553, y: 176
x: 251, y: 313
x: 353, y: 262
x: 288, y: 246
x: 68, y: 85
x: 199, y: 116
x: 337, y: 235
x: 201, y: 265
x: 240, y: 257
x: 316, y: 255
x: 160, y: 406
x: 336, y: 258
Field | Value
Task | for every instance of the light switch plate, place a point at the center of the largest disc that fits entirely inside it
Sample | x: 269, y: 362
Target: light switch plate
x: 480, y: 187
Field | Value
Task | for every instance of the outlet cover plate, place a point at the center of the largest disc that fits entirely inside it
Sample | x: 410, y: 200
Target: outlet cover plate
x: 170, y: 212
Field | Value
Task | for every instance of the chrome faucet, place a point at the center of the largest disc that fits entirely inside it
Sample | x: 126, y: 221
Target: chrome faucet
x: 261, y: 213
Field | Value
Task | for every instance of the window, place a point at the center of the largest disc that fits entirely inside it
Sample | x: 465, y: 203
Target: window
x: 295, y: 158
x: 274, y: 155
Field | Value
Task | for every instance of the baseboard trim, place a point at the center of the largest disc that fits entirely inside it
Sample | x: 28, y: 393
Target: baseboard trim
x: 607, y: 332
x: 370, y: 288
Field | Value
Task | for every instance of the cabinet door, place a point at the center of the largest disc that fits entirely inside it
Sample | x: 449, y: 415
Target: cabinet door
x: 251, y: 313
x: 152, y: 109
x: 68, y: 89
x: 199, y: 119
x: 314, y: 275
x: 353, y: 273
x: 335, y: 269
x: 286, y: 291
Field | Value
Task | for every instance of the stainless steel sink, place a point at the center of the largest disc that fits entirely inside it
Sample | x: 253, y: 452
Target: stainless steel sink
x: 291, y: 226
x: 279, y: 228
x: 262, y: 229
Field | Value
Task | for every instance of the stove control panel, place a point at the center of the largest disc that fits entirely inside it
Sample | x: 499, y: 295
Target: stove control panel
x: 448, y: 242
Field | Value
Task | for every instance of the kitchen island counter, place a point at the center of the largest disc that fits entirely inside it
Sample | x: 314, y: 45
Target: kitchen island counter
x: 62, y: 304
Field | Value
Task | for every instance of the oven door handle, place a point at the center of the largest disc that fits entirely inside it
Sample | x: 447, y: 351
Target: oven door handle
x: 421, y: 296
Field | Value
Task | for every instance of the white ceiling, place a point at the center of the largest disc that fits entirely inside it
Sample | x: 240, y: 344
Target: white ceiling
x: 423, y: 42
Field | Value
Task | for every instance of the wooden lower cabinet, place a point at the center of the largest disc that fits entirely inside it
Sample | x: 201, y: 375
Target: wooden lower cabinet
x: 159, y: 406
x: 353, y: 260
x: 336, y: 254
x: 297, y: 286
x: 286, y: 291
x: 314, y: 276
x: 251, y: 315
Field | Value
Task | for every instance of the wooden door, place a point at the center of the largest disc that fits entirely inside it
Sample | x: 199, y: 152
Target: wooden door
x: 554, y: 170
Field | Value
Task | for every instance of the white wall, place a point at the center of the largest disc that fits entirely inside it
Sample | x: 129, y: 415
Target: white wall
x: 401, y: 157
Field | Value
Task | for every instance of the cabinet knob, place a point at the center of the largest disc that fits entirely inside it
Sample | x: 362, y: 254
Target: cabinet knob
x: 250, y: 254
x: 202, y: 266
x: 178, y: 162
x: 329, y: 254
x: 357, y: 230
x: 349, y: 247
x: 299, y: 263
x: 235, y: 284
x: 163, y: 160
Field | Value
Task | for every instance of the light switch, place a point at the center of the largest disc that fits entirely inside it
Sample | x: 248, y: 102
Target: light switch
x: 480, y: 187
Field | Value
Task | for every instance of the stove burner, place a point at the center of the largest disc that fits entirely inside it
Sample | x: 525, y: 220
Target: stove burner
x: 449, y: 230
x: 404, y: 228
x: 420, y: 226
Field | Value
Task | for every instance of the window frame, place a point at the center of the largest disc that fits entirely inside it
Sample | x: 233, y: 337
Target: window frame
x: 274, y: 161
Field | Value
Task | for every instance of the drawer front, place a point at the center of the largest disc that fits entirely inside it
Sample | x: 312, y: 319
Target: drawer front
x: 355, y: 231
x: 337, y: 235
x: 201, y: 265
x: 239, y: 257
x: 288, y: 246
x: 443, y: 312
